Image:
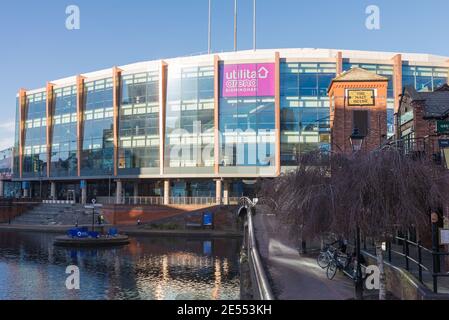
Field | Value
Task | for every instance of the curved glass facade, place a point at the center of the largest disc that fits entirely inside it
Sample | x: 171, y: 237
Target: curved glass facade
x: 239, y: 89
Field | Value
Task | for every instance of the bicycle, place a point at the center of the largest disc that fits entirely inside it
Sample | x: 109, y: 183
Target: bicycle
x: 341, y: 262
x: 326, y: 255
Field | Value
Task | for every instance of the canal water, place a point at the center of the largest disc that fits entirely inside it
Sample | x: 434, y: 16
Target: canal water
x: 150, y: 268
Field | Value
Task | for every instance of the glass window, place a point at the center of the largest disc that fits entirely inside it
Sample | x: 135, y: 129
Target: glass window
x: 35, y: 154
x: 304, y: 108
x: 382, y: 70
x: 247, y: 132
x: 189, y: 123
x: 139, y: 122
x: 424, y: 78
x: 97, y: 145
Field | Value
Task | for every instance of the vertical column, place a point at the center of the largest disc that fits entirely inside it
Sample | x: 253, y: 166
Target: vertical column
x: 118, y: 192
x: 116, y: 73
x: 162, y: 108
x: 80, y: 119
x: 218, y: 187
x: 22, y: 119
x: 2, y: 188
x: 26, y: 189
x: 447, y: 63
x: 53, y: 190
x: 136, y: 191
x: 49, y: 108
x: 83, y: 191
x: 166, y: 192
x: 339, y: 63
x: 397, y: 88
x: 216, y: 114
x: 277, y: 113
x: 226, y: 193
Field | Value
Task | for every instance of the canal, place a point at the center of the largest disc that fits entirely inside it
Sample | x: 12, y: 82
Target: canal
x: 150, y: 268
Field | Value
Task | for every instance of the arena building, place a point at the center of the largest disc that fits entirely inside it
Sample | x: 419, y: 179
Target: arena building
x: 198, y: 128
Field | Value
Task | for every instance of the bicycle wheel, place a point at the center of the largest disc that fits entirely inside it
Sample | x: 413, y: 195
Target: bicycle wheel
x: 323, y: 260
x: 331, y: 270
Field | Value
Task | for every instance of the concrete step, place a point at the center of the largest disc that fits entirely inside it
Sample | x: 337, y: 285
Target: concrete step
x: 55, y: 214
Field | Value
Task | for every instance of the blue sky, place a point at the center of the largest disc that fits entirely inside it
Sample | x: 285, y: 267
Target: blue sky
x: 36, y: 46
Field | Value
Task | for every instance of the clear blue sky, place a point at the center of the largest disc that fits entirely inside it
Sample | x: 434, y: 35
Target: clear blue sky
x: 36, y: 46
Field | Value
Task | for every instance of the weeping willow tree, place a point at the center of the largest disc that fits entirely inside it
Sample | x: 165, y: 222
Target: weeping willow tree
x: 380, y: 193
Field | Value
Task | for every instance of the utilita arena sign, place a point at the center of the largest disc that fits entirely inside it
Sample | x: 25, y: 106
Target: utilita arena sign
x: 247, y: 80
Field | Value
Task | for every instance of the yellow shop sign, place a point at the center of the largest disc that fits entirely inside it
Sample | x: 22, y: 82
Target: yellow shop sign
x: 361, y: 98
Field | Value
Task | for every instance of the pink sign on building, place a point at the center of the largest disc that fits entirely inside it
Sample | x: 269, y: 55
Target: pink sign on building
x: 247, y: 80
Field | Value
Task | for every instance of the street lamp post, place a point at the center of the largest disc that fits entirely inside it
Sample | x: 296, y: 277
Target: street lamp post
x: 356, y: 140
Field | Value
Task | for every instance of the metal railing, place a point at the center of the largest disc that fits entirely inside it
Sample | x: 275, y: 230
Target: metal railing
x: 436, y: 255
x: 233, y: 201
x: 426, y: 147
x: 143, y: 200
x: 406, y: 243
x: 132, y: 200
x: 255, y: 262
x: 193, y: 200
x: 172, y: 200
x: 418, y: 259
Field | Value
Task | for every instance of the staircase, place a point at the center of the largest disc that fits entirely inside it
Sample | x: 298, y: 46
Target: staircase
x: 56, y: 214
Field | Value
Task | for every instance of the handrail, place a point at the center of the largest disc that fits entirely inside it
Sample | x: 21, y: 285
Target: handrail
x: 158, y: 200
x: 262, y: 283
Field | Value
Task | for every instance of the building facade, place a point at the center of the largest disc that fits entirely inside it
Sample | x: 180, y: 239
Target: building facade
x: 423, y: 119
x: 358, y: 107
x: 6, y: 165
x: 200, y: 126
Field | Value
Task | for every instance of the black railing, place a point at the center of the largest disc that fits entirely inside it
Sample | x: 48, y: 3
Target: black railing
x: 407, y: 257
x: 262, y: 287
x: 417, y: 260
x: 417, y: 148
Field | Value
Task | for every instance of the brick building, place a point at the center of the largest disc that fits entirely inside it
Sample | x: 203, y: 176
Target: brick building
x: 358, y: 100
x: 423, y: 122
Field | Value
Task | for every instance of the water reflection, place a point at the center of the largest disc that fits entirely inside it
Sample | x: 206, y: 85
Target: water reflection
x: 149, y: 268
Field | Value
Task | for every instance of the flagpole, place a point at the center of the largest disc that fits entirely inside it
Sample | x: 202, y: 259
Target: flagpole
x: 209, y: 30
x: 254, y: 26
x: 235, y: 25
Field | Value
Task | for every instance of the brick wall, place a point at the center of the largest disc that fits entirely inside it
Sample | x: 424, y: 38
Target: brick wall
x: 341, y: 116
x: 130, y: 214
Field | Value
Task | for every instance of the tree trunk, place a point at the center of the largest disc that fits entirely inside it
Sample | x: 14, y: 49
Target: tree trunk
x: 382, y: 279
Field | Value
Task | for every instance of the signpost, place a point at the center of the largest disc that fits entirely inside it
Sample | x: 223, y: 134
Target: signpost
x: 208, y: 219
x: 93, y: 207
x: 443, y: 143
x: 444, y: 236
x: 442, y: 126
